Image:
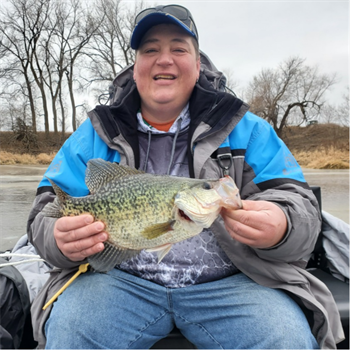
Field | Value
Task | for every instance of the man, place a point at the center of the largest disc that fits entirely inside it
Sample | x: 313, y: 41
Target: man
x: 229, y: 287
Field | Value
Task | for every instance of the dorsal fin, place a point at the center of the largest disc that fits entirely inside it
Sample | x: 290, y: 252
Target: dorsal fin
x: 62, y: 196
x: 100, y: 172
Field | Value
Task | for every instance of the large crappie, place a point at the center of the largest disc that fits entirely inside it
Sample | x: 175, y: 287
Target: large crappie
x: 144, y: 211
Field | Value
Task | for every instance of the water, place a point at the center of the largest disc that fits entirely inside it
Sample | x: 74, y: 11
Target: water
x: 334, y: 189
x: 18, y: 188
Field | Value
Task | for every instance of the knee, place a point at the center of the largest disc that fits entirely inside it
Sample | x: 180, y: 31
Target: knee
x: 287, y: 327
x: 65, y: 318
x: 290, y: 338
x: 60, y: 329
x: 71, y: 315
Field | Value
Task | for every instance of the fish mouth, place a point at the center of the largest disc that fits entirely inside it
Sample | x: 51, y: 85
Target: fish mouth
x: 184, y: 216
x: 193, y: 218
x: 164, y: 77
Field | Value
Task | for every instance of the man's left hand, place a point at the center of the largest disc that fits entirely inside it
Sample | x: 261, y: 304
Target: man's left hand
x: 259, y: 224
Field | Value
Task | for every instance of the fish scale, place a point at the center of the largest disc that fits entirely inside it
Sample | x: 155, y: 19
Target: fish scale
x: 143, y: 211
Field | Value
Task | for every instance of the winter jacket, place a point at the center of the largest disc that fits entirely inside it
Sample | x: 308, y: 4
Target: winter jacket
x: 223, y: 137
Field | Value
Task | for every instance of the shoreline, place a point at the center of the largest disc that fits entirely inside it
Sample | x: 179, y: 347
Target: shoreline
x: 39, y: 169
x: 318, y: 159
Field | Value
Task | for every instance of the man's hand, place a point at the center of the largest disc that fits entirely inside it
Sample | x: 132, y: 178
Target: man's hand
x: 79, y: 236
x: 259, y: 224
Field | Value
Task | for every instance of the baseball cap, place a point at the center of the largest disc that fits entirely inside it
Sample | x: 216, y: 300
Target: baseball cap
x: 150, y: 17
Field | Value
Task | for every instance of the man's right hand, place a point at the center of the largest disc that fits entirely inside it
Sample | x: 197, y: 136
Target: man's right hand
x: 79, y: 236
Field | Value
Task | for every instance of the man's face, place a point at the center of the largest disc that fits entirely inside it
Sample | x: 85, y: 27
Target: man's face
x: 166, y: 69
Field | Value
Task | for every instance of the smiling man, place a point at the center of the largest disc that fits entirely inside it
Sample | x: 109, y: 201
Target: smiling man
x: 166, y: 70
x: 240, y: 283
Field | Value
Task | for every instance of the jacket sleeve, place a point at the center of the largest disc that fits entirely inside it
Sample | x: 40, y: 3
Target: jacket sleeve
x: 40, y: 233
x: 304, y: 223
x: 67, y: 170
x: 272, y: 174
x: 68, y: 173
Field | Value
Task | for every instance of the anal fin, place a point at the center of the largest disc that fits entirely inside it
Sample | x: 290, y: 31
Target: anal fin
x: 161, y: 251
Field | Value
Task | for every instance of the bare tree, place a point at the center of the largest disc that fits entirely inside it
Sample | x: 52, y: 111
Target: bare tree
x: 20, y: 29
x: 344, y: 109
x: 36, y: 28
x: 104, y: 54
x: 43, y: 42
x: 292, y: 90
x: 336, y: 114
x: 109, y: 49
x: 53, y: 57
x: 81, y: 27
x: 58, y: 50
x: 231, y: 82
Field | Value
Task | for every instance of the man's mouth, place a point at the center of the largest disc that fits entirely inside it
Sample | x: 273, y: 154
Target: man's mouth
x: 164, y: 76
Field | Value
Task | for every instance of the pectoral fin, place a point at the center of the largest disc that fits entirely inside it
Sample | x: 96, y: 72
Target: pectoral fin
x: 157, y: 230
x: 161, y: 251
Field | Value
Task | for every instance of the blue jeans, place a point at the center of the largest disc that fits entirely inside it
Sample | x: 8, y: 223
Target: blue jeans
x: 120, y: 311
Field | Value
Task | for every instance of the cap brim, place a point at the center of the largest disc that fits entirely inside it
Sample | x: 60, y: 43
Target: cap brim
x: 151, y: 20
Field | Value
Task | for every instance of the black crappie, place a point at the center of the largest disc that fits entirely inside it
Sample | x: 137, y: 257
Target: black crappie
x: 144, y: 211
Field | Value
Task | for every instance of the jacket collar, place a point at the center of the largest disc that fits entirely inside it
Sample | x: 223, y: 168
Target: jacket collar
x: 206, y: 105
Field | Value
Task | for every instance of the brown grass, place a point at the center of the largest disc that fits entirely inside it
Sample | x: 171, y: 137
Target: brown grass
x: 321, y: 159
x: 10, y: 158
x: 321, y: 146
x: 324, y: 158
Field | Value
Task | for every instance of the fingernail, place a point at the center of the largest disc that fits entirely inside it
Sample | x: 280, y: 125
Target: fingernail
x: 100, y: 246
x: 89, y: 219
x: 99, y: 226
x: 102, y: 237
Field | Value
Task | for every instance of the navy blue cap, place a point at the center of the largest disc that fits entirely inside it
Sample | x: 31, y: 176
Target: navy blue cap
x: 173, y: 14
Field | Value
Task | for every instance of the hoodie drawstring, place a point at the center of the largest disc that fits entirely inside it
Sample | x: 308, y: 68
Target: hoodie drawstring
x: 149, y: 132
x: 174, y: 144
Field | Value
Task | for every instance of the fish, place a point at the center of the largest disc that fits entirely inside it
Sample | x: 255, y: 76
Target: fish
x: 142, y: 210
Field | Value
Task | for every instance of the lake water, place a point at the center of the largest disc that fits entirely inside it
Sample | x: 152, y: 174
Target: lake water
x: 18, y: 187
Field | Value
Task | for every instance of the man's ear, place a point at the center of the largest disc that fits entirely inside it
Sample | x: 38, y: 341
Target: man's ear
x: 198, y: 66
x: 133, y: 76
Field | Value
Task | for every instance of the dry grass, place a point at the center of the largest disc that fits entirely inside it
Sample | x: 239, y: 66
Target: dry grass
x: 321, y: 146
x: 10, y: 158
x: 324, y: 158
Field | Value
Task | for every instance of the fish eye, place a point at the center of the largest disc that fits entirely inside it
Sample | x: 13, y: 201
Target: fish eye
x: 206, y: 186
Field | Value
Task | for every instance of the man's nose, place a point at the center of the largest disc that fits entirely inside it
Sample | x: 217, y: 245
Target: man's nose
x: 165, y: 59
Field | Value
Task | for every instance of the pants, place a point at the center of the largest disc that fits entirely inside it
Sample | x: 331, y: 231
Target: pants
x: 120, y: 311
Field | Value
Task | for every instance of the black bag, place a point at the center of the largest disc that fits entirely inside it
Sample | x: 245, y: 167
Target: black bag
x: 14, y: 306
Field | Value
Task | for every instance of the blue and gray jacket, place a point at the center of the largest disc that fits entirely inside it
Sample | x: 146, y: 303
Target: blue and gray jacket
x: 222, y: 137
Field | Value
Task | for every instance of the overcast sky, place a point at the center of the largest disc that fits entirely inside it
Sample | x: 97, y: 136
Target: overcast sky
x: 246, y: 36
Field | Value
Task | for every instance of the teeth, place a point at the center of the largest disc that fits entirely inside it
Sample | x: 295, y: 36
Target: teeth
x: 169, y: 77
